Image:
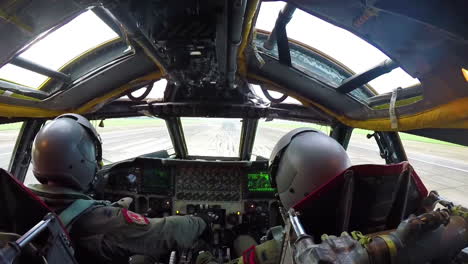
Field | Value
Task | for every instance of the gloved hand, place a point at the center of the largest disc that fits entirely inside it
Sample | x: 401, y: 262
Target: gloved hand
x: 205, y: 258
x: 123, y: 203
x: 209, y: 218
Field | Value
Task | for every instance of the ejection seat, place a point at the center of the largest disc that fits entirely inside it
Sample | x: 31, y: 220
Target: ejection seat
x: 21, y: 211
x: 365, y: 198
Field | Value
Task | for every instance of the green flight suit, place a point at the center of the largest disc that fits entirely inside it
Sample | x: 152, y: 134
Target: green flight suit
x: 105, y: 233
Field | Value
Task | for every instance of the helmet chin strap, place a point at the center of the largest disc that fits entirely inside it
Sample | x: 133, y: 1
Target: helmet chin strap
x: 93, y: 184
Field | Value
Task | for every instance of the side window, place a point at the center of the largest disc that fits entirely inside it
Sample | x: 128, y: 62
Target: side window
x: 441, y: 165
x: 363, y: 150
x: 125, y: 138
x: 8, y: 136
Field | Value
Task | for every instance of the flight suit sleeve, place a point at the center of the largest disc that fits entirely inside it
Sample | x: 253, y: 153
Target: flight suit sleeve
x: 113, y: 232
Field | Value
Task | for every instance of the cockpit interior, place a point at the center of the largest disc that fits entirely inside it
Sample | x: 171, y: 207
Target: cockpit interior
x: 211, y: 88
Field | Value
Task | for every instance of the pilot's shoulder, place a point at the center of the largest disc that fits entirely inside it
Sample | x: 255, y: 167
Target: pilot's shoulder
x: 105, y: 219
x: 98, y: 214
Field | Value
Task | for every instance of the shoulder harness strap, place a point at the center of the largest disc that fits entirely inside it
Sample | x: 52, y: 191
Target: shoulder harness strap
x: 78, y: 208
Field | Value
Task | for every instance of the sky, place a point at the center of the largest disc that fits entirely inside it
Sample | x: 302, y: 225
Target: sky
x: 88, y: 31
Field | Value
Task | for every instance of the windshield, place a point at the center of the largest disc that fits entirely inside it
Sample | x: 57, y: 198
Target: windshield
x: 125, y: 138
x: 218, y: 137
x: 270, y: 132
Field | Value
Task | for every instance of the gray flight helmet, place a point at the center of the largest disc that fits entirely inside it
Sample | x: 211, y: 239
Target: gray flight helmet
x: 303, y: 160
x: 67, y: 152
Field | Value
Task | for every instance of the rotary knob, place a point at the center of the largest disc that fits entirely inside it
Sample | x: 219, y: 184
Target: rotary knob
x: 233, y: 219
x: 191, y: 209
x: 203, y: 196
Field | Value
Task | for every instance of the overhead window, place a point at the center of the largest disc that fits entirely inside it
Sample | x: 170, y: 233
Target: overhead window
x: 343, y: 46
x: 312, y: 64
x: 60, y: 47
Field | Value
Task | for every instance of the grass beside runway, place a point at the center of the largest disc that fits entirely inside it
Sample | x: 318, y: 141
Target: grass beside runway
x: 11, y: 126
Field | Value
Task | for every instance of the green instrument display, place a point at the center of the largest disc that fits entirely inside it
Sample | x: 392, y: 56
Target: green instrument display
x: 156, y: 181
x: 259, y: 182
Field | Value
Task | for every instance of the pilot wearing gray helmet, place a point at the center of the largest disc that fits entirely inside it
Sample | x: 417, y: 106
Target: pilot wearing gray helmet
x: 66, y: 155
x: 301, y: 161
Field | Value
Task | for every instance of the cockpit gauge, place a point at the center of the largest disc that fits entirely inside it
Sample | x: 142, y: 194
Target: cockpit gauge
x: 131, y: 178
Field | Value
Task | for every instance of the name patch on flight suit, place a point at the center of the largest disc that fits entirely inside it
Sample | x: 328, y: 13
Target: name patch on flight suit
x: 134, y: 218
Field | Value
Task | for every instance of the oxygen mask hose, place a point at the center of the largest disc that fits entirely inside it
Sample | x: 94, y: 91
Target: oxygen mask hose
x: 435, y: 236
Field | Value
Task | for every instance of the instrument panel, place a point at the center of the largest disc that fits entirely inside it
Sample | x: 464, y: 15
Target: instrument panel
x: 172, y: 185
x: 208, y: 183
x: 237, y: 192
